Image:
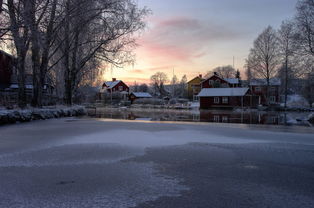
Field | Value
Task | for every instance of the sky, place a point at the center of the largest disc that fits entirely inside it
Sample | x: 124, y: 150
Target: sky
x: 191, y: 37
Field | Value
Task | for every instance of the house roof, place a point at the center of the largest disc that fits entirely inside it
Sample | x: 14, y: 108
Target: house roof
x: 222, y: 92
x: 197, y: 77
x: 142, y: 94
x: 112, y: 84
x: 263, y: 82
x: 232, y: 80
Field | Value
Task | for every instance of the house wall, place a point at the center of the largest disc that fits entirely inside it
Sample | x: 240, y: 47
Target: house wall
x: 261, y: 91
x: 5, y: 70
x: 209, y: 102
x: 217, y: 82
x: 194, y: 87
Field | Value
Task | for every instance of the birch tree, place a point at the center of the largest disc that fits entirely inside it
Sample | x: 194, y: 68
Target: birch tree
x: 264, y: 57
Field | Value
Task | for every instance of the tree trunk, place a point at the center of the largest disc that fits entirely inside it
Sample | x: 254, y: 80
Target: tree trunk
x: 286, y: 82
x: 21, y: 81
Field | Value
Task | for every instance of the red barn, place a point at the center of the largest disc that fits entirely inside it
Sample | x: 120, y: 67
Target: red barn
x: 216, y: 82
x: 115, y: 86
x: 224, y: 97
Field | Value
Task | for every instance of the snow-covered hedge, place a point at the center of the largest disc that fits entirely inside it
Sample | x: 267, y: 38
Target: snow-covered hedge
x: 13, y: 116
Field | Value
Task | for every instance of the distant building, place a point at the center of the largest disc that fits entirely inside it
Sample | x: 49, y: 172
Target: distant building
x: 194, y: 87
x: 258, y: 88
x: 224, y: 97
x: 139, y: 95
x: 9, y: 84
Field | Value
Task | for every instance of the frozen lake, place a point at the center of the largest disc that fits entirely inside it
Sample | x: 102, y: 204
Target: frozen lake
x: 85, y: 162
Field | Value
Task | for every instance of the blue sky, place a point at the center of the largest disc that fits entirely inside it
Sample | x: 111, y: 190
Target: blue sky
x: 194, y: 36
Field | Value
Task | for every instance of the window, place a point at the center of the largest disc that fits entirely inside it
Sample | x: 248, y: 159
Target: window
x: 216, y: 118
x: 272, y: 99
x: 211, y: 82
x: 120, y: 88
x: 216, y: 99
x: 258, y: 89
x: 225, y: 100
x: 225, y: 119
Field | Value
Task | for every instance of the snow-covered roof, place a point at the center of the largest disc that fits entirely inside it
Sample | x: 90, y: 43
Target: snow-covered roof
x: 272, y: 81
x: 225, y: 92
x: 232, y: 80
x: 111, y: 84
x: 142, y: 94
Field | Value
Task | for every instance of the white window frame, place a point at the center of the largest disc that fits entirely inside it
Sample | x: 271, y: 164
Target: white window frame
x: 225, y: 119
x: 272, y: 99
x: 216, y: 100
x: 225, y: 100
x: 216, y: 118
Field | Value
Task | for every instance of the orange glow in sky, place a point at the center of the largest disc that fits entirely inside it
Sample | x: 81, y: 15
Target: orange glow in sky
x: 193, y: 37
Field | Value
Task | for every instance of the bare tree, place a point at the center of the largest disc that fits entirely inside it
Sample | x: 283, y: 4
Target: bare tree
x: 19, y: 34
x: 97, y: 30
x: 305, y: 25
x: 264, y: 57
x: 287, y: 49
x: 158, y: 80
x: 223, y: 72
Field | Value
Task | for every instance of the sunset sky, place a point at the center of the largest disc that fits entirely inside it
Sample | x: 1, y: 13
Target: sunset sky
x: 193, y: 37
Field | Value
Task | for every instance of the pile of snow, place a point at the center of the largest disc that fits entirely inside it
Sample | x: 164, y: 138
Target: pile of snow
x: 296, y: 101
x: 13, y: 116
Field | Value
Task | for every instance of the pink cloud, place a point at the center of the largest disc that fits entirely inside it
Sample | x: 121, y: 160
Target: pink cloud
x: 181, y: 39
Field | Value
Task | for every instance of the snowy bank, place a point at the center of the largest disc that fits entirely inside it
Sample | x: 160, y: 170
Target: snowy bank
x: 13, y: 116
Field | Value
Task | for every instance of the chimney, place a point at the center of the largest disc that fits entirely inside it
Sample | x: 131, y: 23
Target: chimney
x: 200, y: 76
x: 215, y: 73
x: 114, y: 79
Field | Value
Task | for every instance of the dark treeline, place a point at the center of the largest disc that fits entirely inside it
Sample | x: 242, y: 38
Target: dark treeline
x: 68, y: 40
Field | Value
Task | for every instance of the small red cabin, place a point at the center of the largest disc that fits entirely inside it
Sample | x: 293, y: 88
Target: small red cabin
x: 115, y: 86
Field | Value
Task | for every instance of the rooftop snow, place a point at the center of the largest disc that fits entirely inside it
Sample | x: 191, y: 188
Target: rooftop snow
x: 225, y: 92
x: 272, y: 81
x: 111, y: 84
x: 232, y: 80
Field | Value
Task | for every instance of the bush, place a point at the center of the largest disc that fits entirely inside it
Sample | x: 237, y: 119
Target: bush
x: 149, y: 101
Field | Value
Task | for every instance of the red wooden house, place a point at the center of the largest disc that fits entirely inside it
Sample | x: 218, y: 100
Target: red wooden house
x: 217, y: 82
x: 224, y: 97
x: 115, y: 86
x: 259, y: 89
